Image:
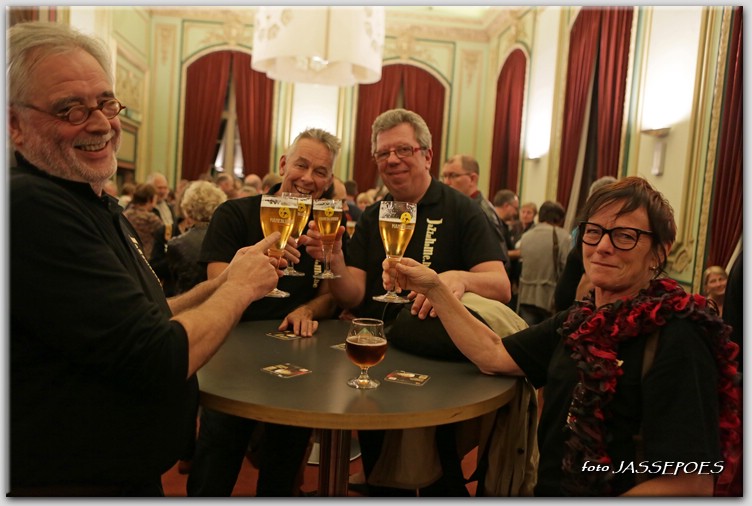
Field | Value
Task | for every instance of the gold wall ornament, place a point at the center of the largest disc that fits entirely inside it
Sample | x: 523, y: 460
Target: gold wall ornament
x: 233, y: 32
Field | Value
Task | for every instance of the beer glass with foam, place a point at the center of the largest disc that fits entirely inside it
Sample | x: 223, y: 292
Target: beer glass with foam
x: 396, y: 225
x: 328, y: 214
x: 277, y: 215
x: 302, y: 213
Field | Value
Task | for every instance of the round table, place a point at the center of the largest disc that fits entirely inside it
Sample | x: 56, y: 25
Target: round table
x: 234, y: 382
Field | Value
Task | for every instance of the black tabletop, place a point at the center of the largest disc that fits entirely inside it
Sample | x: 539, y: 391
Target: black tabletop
x: 233, y: 382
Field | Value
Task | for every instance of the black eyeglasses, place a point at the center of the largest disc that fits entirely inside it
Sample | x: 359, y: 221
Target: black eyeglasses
x: 78, y: 114
x: 623, y: 238
x: 400, y: 151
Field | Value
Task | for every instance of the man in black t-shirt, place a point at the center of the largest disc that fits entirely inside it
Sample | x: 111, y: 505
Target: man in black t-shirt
x: 451, y: 236
x: 306, y: 168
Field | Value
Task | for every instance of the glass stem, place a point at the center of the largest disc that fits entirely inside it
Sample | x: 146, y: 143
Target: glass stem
x: 327, y: 256
x: 363, y: 379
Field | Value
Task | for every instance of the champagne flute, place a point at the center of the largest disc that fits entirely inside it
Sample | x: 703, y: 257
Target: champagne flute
x: 301, y: 220
x: 396, y: 225
x: 365, y: 346
x: 328, y: 214
x: 277, y: 215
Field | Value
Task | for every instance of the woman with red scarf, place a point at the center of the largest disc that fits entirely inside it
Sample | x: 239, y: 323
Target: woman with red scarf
x: 607, y: 427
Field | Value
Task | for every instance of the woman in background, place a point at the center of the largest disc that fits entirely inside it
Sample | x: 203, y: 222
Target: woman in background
x: 714, y: 285
x: 197, y: 204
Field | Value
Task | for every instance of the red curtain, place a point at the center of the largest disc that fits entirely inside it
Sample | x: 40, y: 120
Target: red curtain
x: 726, y: 210
x: 205, y: 92
x: 505, y: 151
x: 254, y: 94
x: 583, y: 45
x: 373, y: 99
x: 424, y: 94
x: 616, y: 26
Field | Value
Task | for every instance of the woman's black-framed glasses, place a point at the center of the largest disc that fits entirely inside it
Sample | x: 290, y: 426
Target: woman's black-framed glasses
x: 623, y: 238
x: 78, y: 114
x: 400, y: 151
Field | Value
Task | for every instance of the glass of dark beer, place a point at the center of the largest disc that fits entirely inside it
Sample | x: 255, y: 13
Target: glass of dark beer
x: 365, y: 347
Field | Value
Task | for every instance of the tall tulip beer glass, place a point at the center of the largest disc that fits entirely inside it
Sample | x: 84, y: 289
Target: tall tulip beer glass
x: 328, y: 214
x: 301, y: 220
x: 365, y: 347
x: 277, y: 215
x: 396, y: 224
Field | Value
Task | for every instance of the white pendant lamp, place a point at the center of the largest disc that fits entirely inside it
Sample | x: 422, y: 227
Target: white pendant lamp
x: 339, y: 46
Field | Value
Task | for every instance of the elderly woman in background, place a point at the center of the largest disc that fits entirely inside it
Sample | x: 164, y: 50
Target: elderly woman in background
x: 140, y: 212
x: 528, y: 212
x: 714, y: 285
x: 198, y: 203
x: 639, y: 396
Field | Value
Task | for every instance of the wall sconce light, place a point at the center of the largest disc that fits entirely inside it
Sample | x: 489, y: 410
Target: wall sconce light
x: 339, y: 46
x: 659, y: 153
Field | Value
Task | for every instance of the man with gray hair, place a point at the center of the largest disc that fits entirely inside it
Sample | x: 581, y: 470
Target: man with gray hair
x: 451, y: 235
x: 163, y: 209
x: 102, y: 383
x: 462, y: 172
x: 306, y: 168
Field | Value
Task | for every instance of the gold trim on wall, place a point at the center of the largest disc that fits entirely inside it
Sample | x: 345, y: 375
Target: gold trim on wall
x: 710, y: 159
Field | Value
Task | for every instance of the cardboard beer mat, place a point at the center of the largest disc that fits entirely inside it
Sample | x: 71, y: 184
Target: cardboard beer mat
x: 284, y: 336
x: 407, y: 378
x: 286, y: 370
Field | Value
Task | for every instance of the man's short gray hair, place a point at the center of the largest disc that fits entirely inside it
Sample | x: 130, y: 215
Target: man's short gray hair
x: 332, y: 142
x: 393, y: 117
x: 29, y: 43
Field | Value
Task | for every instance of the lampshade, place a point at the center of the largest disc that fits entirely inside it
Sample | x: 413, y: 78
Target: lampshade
x: 340, y: 45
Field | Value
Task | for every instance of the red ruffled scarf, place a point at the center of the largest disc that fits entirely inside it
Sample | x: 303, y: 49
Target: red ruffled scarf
x: 593, y: 336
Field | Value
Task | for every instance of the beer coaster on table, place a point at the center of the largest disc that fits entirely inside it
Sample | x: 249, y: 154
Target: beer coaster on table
x: 286, y: 370
x: 340, y: 346
x: 407, y: 378
x: 284, y: 336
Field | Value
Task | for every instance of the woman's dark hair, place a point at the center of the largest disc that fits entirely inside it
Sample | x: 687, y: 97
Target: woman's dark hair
x: 635, y: 193
x: 144, y: 194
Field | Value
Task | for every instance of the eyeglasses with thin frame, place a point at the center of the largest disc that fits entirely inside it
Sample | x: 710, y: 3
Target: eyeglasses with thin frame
x: 78, y: 114
x: 622, y: 238
x: 400, y: 151
x: 453, y: 175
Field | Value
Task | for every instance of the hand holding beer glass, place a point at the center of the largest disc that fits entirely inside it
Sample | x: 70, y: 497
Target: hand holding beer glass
x: 277, y: 215
x: 365, y: 346
x: 303, y: 210
x: 328, y: 214
x: 396, y: 224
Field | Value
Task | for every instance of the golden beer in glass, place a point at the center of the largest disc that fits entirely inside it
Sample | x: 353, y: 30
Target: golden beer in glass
x: 277, y: 215
x: 396, y: 225
x: 328, y: 215
x: 302, y: 213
